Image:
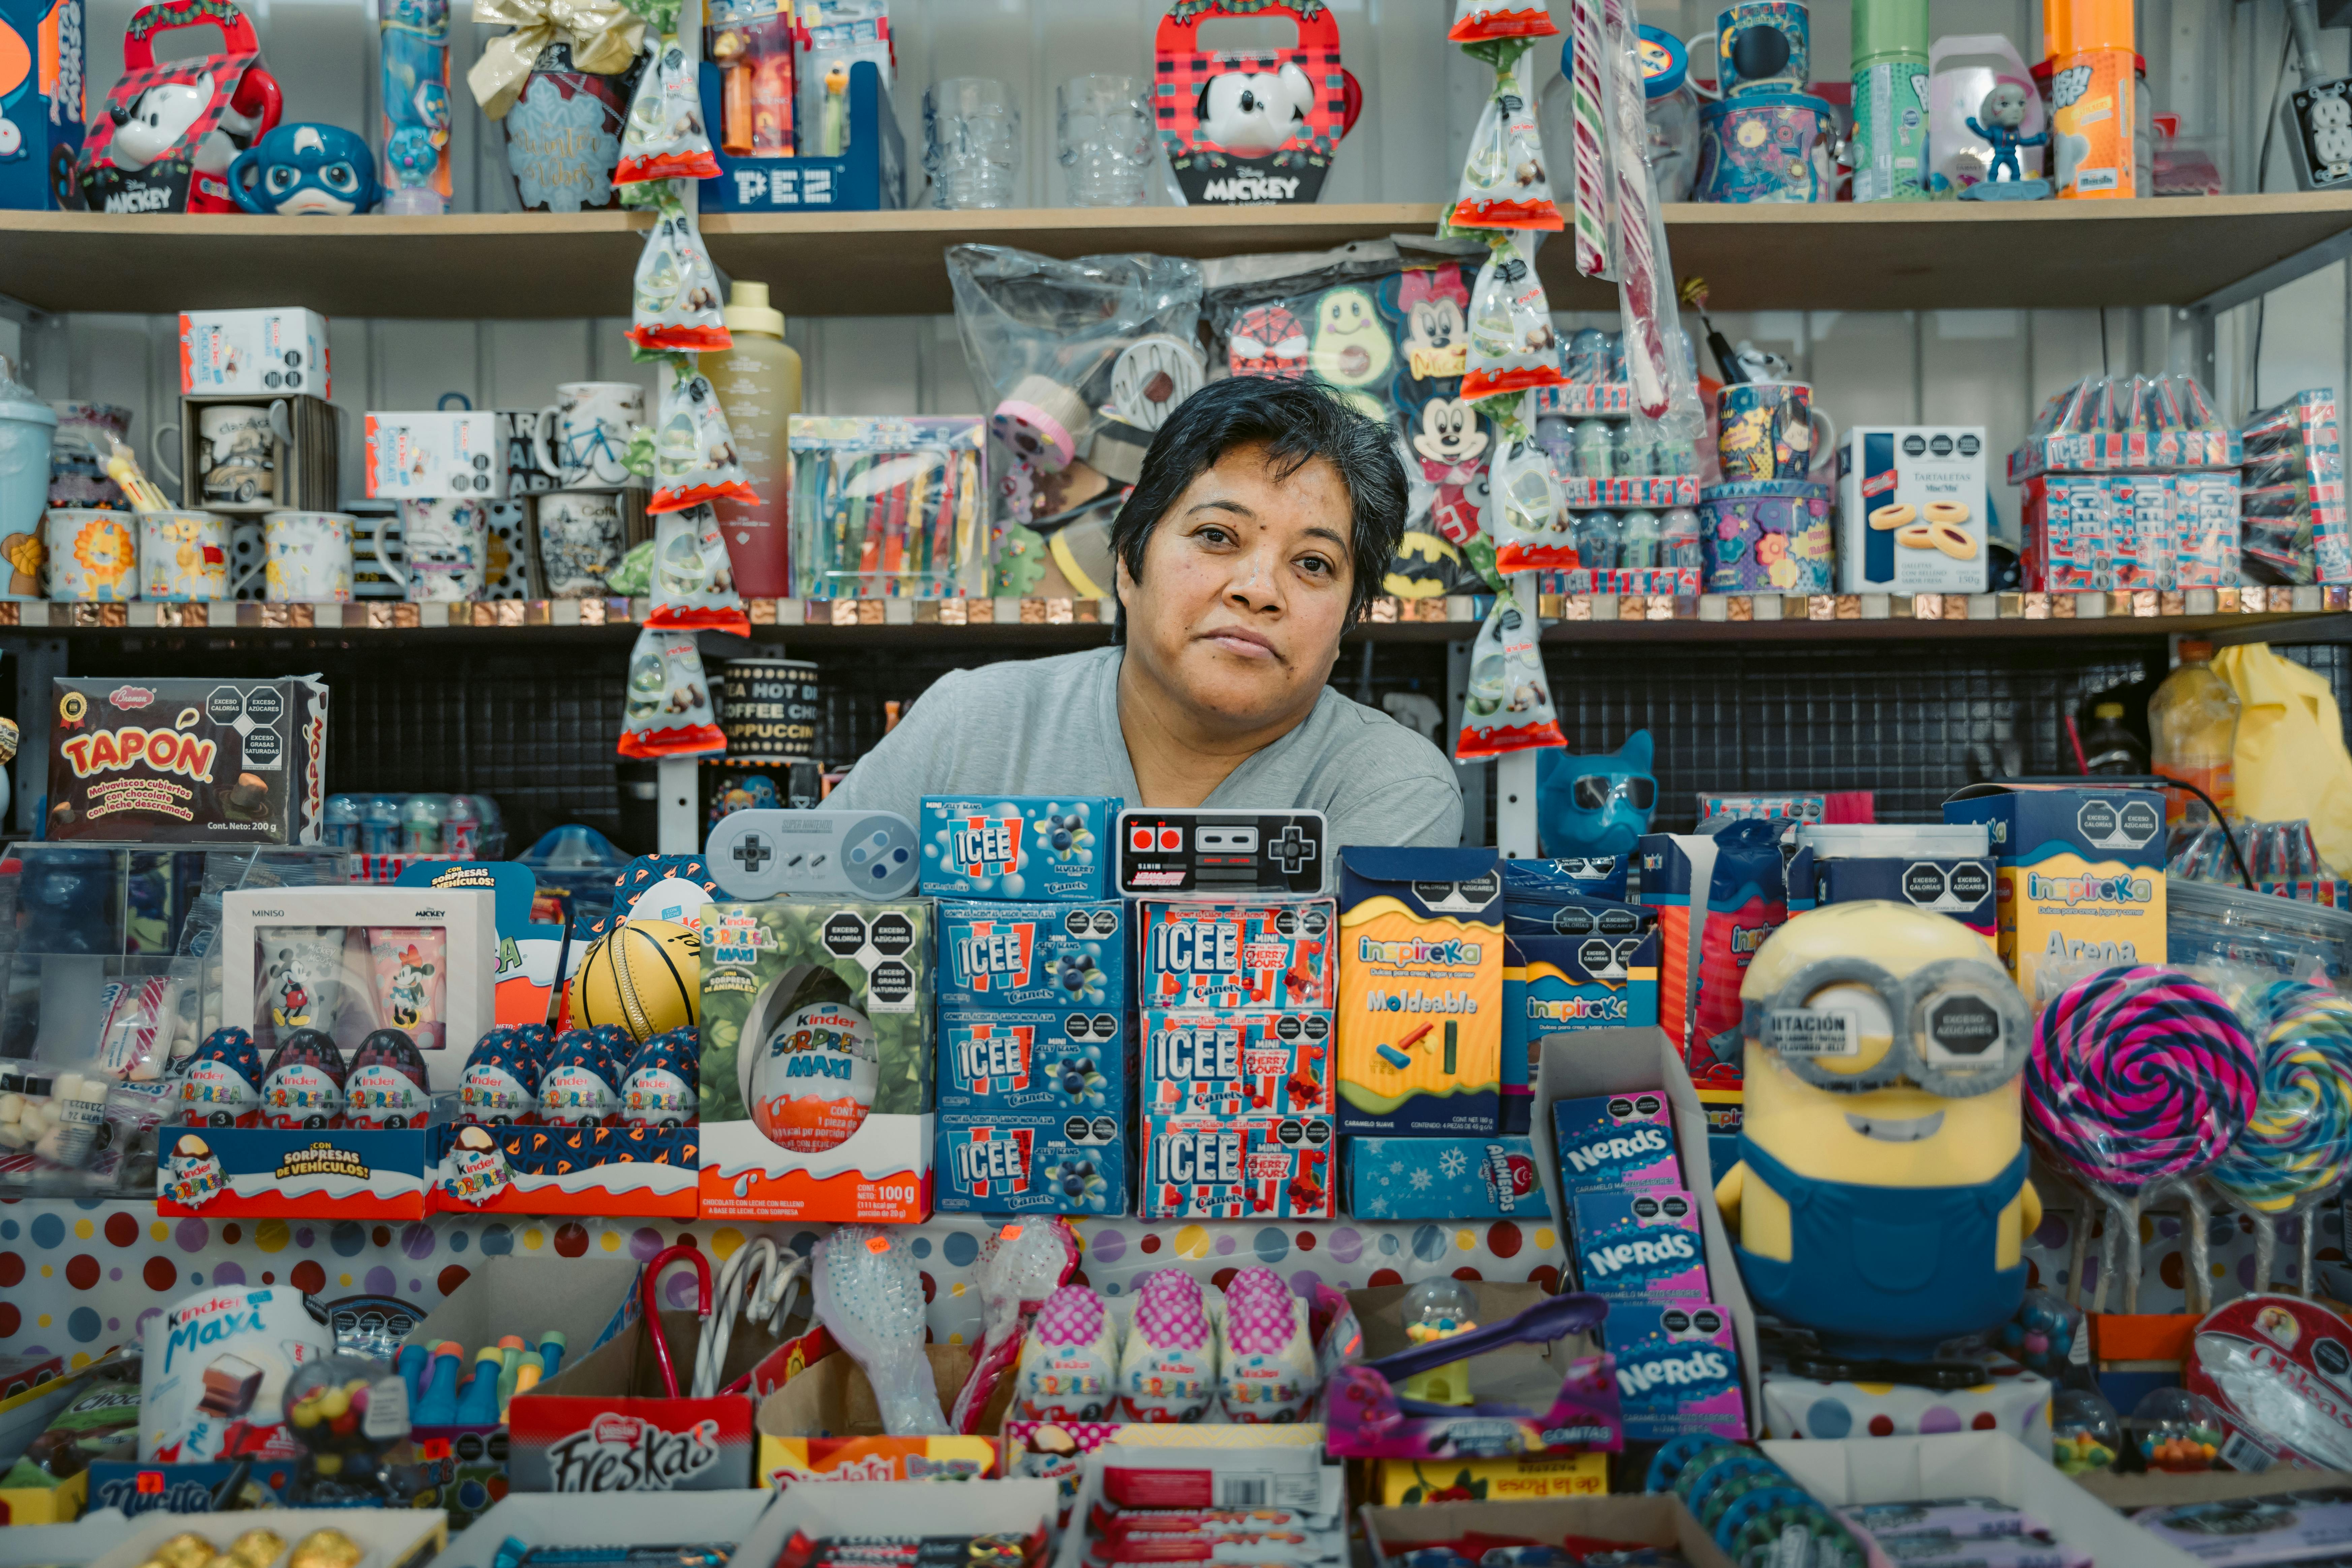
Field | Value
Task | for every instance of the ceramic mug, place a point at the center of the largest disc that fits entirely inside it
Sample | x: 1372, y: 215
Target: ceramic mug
x: 183, y: 556
x: 93, y: 556
x: 1766, y: 431
x: 582, y: 436
x: 307, y: 556
x: 445, y: 544
x: 1762, y: 45
x: 237, y: 454
x: 581, y: 536
x: 1768, y: 147
x: 78, y: 453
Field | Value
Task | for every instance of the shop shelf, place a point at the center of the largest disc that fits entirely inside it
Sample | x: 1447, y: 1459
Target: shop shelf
x: 1876, y: 256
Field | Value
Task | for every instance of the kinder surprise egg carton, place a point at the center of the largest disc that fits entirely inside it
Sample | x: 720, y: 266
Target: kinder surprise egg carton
x: 1420, y: 1008
x: 1269, y: 1167
x: 1223, y: 1064
x: 1612, y: 1141
x: 1677, y: 1371
x: 1040, y: 1063
x: 1030, y: 1165
x: 1027, y: 956
x: 1640, y: 1245
x: 1238, y: 954
x: 1018, y: 847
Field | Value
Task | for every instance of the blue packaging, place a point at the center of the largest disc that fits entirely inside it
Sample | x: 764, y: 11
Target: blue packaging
x: 1678, y: 1367
x: 1552, y: 983
x: 1641, y: 1245
x: 44, y: 104
x: 1532, y: 889
x: 1030, y: 1165
x: 1019, y: 847
x: 1612, y: 1141
x: 1039, y: 1062
x: 997, y: 956
x: 1444, y: 1178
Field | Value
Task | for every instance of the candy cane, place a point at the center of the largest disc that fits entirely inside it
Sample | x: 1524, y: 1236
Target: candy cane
x: 1592, y: 164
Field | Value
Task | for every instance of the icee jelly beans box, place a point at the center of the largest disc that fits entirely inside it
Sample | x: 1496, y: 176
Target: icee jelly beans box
x: 1018, y: 847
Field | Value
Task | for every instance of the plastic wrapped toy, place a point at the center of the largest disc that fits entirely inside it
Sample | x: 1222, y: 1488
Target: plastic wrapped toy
x: 2085, y: 1433
x: 668, y: 711
x: 1532, y: 520
x: 1265, y: 1355
x: 1069, y: 1360
x: 1167, y: 1370
x: 869, y: 1296
x: 2176, y: 1430
x: 1508, y: 705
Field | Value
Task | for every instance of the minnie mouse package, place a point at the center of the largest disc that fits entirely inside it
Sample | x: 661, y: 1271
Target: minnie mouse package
x: 171, y: 129
x: 1255, y: 129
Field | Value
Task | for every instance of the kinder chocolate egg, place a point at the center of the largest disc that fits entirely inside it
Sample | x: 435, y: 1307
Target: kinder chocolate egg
x: 582, y: 1085
x: 388, y: 1086
x: 501, y: 1084
x: 662, y: 1086
x: 304, y: 1085
x: 220, y: 1085
x: 813, y: 1083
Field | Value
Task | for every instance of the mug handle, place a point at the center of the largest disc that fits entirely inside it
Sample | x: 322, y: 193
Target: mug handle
x: 156, y: 450
x: 375, y: 551
x: 1824, y: 440
x: 281, y: 422
x: 1691, y: 55
x: 540, y: 452
x: 238, y: 168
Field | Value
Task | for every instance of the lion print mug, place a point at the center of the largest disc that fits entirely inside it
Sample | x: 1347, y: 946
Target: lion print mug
x: 93, y: 556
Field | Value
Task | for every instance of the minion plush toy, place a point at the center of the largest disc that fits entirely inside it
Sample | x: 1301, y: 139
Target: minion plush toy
x: 1881, y: 1197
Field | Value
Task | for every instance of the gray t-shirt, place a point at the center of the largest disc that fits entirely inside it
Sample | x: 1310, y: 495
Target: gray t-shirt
x: 1050, y: 727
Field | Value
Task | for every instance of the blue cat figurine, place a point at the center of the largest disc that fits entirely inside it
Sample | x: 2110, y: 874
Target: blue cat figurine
x: 1595, y: 805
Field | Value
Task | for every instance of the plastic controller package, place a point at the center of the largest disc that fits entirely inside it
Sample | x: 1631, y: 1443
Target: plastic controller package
x: 1028, y: 956
x: 1201, y: 1063
x: 1444, y: 1178
x: 1035, y: 1063
x: 1270, y: 1167
x: 187, y: 760
x: 1640, y: 1245
x: 1912, y: 509
x: 1018, y: 847
x: 1238, y: 955
x: 817, y: 1051
x: 1421, y: 991
x: 1073, y: 1164
x: 1677, y: 1369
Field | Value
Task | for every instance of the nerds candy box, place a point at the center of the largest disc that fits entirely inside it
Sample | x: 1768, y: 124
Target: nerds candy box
x: 1030, y: 1165
x: 1640, y: 1245
x: 1263, y: 955
x: 1677, y: 1371
x: 1041, y: 1062
x: 1268, y: 1167
x: 1211, y: 1063
x: 1616, y: 1141
x: 1018, y: 847
x: 1033, y: 955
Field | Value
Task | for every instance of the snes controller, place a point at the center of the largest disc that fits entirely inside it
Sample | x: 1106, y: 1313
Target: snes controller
x: 762, y: 853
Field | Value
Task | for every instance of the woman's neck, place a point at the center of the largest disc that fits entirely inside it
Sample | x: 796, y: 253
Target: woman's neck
x: 1179, y: 760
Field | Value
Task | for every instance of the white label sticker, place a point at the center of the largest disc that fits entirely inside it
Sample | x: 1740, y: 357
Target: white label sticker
x: 1814, y: 1031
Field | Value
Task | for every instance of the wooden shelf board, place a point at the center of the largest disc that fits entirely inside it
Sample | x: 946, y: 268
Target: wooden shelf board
x: 1877, y: 257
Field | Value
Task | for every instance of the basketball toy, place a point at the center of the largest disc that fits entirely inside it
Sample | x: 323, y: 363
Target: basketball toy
x: 647, y: 977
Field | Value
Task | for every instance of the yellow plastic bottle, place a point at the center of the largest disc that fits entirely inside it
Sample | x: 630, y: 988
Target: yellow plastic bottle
x: 2192, y: 726
x: 759, y: 384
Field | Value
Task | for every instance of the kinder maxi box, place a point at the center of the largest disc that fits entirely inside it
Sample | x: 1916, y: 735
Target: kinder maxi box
x: 1420, y: 1010
x: 817, y: 1049
x: 2081, y: 873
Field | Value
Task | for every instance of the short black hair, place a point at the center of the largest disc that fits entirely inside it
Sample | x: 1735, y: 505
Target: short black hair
x: 1298, y: 421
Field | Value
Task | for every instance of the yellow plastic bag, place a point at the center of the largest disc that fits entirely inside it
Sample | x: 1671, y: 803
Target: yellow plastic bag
x: 2291, y: 758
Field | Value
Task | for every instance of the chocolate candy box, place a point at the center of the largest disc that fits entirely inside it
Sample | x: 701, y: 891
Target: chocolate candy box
x: 1267, y: 953
x: 187, y: 760
x: 1208, y: 1062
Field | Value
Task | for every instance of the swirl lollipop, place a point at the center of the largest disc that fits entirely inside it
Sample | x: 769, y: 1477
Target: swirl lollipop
x: 2140, y: 1076
x: 2298, y: 1144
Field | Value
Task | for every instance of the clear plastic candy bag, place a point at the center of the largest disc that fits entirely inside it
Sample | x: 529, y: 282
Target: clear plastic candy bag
x: 1505, y: 181
x: 666, y: 711
x: 694, y: 450
x: 664, y: 137
x: 1508, y: 707
x: 694, y: 581
x: 674, y: 307
x: 1513, y: 347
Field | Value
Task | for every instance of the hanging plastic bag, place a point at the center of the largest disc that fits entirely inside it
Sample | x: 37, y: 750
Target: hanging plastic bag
x: 1505, y: 181
x: 1509, y: 706
x: 694, y: 452
x: 1477, y: 20
x: 1513, y: 348
x: 1644, y: 290
x: 1533, y: 531
x: 664, y: 137
x: 667, y: 710
x: 693, y: 580
x: 676, y: 306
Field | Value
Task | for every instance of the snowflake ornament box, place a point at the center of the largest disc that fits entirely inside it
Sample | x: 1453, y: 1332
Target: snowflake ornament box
x: 1444, y: 1178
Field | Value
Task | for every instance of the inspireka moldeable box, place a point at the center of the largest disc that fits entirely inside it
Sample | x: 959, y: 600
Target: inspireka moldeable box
x: 1027, y: 956
x: 1258, y: 953
x: 1226, y: 1064
x: 1419, y: 1007
x: 1018, y: 847
x: 1556, y: 984
x: 1270, y: 1167
x: 1044, y: 1062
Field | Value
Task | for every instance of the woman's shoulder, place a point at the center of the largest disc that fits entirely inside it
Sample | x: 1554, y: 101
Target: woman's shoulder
x: 1014, y: 684
x: 1356, y: 735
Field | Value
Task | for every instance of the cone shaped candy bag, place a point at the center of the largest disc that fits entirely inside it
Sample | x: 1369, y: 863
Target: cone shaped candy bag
x: 1531, y: 525
x: 1474, y: 21
x: 694, y: 452
x: 1509, y: 706
x: 1512, y: 345
x: 676, y: 303
x: 694, y: 581
x: 664, y: 137
x: 1505, y: 180
x: 668, y: 712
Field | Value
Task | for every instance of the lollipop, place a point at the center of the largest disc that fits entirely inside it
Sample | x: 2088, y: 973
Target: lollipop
x: 2140, y: 1076
x: 2298, y: 1144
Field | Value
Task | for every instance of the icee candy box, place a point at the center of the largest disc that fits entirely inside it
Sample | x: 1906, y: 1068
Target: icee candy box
x: 1018, y: 847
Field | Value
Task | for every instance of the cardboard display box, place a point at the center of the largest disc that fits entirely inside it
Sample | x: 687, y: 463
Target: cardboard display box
x: 1653, y: 1520
x: 824, y: 1426
x: 187, y: 760
x: 391, y: 1537
x: 612, y: 1519
x: 898, y: 1508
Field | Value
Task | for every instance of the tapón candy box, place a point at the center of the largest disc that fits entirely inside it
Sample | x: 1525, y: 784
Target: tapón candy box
x: 173, y: 761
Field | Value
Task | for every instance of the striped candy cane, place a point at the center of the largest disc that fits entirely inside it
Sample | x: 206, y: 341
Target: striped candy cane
x: 1591, y: 161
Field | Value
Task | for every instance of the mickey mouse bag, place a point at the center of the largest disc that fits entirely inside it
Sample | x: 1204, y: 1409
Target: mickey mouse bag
x: 1253, y: 129
x: 169, y: 130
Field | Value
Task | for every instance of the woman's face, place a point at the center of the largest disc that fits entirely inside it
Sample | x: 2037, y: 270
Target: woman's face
x: 1245, y: 590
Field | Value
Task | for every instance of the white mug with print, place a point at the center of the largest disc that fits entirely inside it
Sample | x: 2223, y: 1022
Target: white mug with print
x: 582, y: 436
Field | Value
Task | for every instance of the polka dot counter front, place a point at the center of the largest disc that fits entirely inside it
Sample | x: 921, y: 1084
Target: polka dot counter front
x: 76, y: 1277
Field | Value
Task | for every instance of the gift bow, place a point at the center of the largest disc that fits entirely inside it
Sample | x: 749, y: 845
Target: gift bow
x: 605, y: 36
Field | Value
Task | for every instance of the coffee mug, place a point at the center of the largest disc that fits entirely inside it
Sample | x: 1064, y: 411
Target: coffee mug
x: 1762, y: 45
x: 236, y: 456
x: 93, y: 556
x: 307, y: 556
x: 1768, y: 147
x: 582, y: 436
x: 581, y: 536
x: 78, y: 453
x: 183, y: 556
x: 446, y: 546
x: 1764, y: 430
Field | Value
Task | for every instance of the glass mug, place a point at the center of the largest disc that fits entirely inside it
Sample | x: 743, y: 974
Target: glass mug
x: 1105, y: 129
x: 971, y: 142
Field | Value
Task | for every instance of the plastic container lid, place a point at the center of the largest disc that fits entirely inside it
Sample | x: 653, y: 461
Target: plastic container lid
x: 748, y: 310
x: 30, y: 413
x: 1665, y: 62
x: 1881, y: 840
x: 1884, y: 27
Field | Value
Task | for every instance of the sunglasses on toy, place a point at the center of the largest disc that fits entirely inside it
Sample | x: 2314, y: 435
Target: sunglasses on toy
x: 1593, y: 791
x: 1954, y: 1028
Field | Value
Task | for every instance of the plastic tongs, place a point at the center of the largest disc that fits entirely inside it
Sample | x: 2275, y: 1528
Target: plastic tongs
x: 649, y: 1299
x: 1553, y: 1318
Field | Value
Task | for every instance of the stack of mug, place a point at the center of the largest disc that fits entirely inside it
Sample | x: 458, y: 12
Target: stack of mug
x: 576, y: 487
x: 1765, y: 138
x: 1766, y: 527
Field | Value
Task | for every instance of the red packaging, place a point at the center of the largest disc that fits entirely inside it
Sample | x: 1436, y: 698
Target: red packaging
x: 2288, y: 1359
x: 1220, y: 1063
x: 1257, y: 954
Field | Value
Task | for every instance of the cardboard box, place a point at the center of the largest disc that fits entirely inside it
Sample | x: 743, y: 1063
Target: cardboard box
x: 1411, y: 1483
x: 1421, y: 991
x: 391, y: 1537
x: 896, y: 1509
x: 247, y: 352
x: 137, y: 1487
x: 1220, y: 1467
x: 1252, y: 953
x: 1035, y: 1063
x: 48, y: 119
x: 1019, y: 847
x: 717, y: 1518
x: 824, y: 1426
x: 603, y: 1422
x: 1026, y: 956
x: 2081, y: 873
x: 1641, y: 1244
x: 655, y: 1171
x: 305, y: 458
x: 254, y: 980
x: 2011, y: 1400
x: 1631, y: 1062
x: 1677, y: 1369
x: 1015, y: 1164
x: 1228, y: 1064
x: 1610, y: 1143
x: 1552, y: 983
x: 187, y: 760
x: 1932, y: 476
x: 1273, y: 1167
x: 1652, y: 1519
x: 1444, y: 1178
x: 430, y: 456
x: 1972, y: 1464
x: 1962, y: 887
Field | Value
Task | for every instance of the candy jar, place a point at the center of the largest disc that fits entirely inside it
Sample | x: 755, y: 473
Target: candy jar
x: 1637, y: 541
x: 1631, y: 451
x: 1439, y: 1309
x: 339, y: 826
x: 1594, y: 449
x: 2085, y: 1433
x: 1587, y: 356
x: 2176, y: 1431
x: 1597, y: 539
x: 351, y: 1417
